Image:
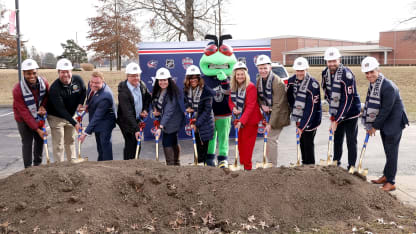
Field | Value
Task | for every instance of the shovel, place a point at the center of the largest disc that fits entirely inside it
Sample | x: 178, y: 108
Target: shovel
x: 45, y: 139
x: 363, y: 172
x: 328, y: 161
x: 235, y: 166
x: 156, y: 125
x: 142, y: 125
x: 297, y: 148
x: 265, y: 164
x: 80, y: 115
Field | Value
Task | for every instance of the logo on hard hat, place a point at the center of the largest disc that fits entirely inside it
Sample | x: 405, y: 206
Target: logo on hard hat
x: 29, y: 64
x: 331, y: 54
x: 186, y: 62
x: 261, y: 59
x: 66, y: 64
x: 299, y: 63
x: 152, y: 64
x: 162, y: 73
x: 367, y: 65
x: 134, y: 68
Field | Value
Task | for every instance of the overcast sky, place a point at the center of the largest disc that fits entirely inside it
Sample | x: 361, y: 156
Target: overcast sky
x: 47, y: 23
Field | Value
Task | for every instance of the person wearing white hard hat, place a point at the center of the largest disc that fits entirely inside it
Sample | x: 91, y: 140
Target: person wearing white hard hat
x: 166, y: 108
x: 198, y: 105
x: 271, y: 92
x: 244, y: 105
x: 29, y: 104
x: 304, y: 96
x: 384, y: 111
x: 101, y: 109
x: 340, y: 89
x: 66, y: 96
x: 133, y: 105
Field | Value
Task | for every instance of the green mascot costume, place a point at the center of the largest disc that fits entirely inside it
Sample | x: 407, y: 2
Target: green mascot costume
x: 217, y: 65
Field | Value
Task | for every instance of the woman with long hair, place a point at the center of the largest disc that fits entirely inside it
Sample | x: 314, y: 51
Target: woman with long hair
x: 165, y: 101
x: 244, y: 105
x: 198, y: 104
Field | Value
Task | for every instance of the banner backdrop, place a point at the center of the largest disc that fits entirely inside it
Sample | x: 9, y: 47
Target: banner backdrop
x: 177, y: 56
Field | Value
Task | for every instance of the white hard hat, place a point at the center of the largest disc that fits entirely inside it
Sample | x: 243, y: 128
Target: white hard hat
x: 263, y: 59
x: 193, y: 70
x: 29, y: 64
x: 332, y: 53
x: 162, y: 73
x: 300, y: 64
x: 64, y: 64
x: 369, y: 64
x: 239, y: 65
x: 133, y: 68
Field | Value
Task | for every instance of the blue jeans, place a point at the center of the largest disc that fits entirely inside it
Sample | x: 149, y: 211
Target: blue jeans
x: 104, y: 145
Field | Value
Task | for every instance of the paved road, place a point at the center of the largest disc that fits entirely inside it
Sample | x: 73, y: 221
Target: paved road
x: 11, y: 158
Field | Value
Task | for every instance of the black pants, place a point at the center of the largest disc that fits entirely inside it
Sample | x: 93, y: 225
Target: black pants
x: 391, y: 148
x: 307, y: 147
x: 350, y: 129
x: 170, y: 139
x: 201, y: 147
x: 28, y: 137
x: 130, y: 144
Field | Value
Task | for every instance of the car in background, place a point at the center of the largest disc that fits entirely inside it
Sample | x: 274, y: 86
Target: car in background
x: 281, y: 71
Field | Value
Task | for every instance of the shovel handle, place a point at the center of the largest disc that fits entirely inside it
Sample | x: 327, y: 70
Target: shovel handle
x: 363, y: 151
x: 157, y: 148
x: 236, y: 147
x: 195, y: 149
x: 298, y: 147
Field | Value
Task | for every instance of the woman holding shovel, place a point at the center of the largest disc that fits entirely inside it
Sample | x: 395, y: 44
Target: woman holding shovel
x: 198, y: 103
x: 244, y: 105
x: 303, y: 95
x: 165, y: 101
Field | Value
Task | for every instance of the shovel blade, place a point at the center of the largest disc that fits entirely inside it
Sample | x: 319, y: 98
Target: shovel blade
x: 79, y: 160
x: 264, y: 165
x: 351, y: 170
x: 234, y: 167
x: 363, y: 172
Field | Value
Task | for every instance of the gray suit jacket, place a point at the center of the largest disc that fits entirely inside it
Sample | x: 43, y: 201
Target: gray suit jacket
x: 392, y: 117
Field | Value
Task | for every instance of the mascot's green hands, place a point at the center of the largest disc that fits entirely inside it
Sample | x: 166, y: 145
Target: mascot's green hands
x: 221, y: 75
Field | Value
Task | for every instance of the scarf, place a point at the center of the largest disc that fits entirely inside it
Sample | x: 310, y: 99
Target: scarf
x: 238, y: 98
x: 193, y: 98
x: 300, y: 99
x: 372, y: 102
x: 28, y: 96
x: 158, y: 101
x: 266, y: 94
x: 334, y: 89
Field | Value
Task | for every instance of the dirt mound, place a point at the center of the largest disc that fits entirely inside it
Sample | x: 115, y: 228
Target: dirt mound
x: 145, y: 196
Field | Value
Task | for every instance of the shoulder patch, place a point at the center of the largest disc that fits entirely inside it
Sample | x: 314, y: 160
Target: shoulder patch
x: 315, y: 85
x: 349, y: 75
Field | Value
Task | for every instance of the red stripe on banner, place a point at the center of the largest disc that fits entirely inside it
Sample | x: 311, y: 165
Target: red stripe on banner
x: 200, y: 50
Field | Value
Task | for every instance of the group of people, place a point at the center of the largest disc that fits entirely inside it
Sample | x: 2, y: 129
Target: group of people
x: 269, y: 102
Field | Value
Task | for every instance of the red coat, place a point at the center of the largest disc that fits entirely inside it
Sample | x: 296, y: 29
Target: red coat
x: 251, y: 114
x: 21, y: 112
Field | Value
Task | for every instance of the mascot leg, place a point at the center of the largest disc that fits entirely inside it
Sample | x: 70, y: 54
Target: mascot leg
x: 212, y: 145
x: 223, y: 127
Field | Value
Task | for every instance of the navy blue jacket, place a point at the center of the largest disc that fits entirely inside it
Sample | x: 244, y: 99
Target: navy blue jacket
x: 392, y: 117
x: 350, y: 105
x: 312, y: 113
x: 172, y: 116
x: 101, y: 110
x: 222, y: 92
x: 205, y: 116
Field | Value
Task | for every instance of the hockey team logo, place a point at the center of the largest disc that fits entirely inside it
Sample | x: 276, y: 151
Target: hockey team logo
x: 242, y: 59
x: 152, y: 64
x: 186, y: 62
x: 170, y: 63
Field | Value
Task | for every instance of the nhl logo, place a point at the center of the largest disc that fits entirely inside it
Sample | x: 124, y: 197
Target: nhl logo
x: 66, y: 64
x: 134, y: 68
x: 186, y: 62
x: 299, y: 63
x: 331, y: 54
x: 170, y: 63
x: 367, y: 65
x: 29, y: 64
x: 152, y: 64
x: 162, y: 73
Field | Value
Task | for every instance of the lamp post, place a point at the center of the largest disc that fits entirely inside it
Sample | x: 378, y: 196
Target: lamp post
x: 19, y: 55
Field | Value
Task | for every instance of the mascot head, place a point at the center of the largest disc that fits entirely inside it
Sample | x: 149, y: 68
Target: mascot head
x: 218, y: 59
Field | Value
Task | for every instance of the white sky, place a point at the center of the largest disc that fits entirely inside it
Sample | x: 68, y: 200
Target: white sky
x: 47, y: 23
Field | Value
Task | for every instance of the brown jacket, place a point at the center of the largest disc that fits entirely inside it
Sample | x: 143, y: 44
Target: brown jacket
x: 280, y: 116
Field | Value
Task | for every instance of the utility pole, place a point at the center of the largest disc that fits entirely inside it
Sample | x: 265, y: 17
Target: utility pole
x: 19, y: 55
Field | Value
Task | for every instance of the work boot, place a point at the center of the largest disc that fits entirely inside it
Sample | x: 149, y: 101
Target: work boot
x: 176, y: 151
x: 169, y: 155
x: 222, y: 161
x: 381, y: 180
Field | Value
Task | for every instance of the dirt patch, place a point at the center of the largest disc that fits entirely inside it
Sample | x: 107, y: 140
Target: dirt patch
x: 145, y: 196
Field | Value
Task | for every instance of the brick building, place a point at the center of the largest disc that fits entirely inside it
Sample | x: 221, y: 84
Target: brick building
x: 393, y: 48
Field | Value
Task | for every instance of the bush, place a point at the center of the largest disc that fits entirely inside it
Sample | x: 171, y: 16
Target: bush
x: 87, y: 66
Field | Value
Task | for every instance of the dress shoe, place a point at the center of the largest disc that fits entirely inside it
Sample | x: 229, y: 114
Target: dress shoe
x: 381, y: 180
x: 388, y: 187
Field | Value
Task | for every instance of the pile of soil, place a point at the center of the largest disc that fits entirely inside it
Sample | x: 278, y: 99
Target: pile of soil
x: 147, y: 196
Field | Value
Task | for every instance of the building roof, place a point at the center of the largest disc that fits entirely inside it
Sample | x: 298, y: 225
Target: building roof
x: 318, y: 38
x: 345, y: 49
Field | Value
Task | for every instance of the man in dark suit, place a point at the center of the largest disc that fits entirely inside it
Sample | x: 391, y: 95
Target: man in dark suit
x: 384, y: 111
x: 102, y: 115
x: 133, y: 105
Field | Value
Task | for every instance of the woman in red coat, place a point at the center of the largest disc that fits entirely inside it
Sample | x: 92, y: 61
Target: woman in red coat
x: 243, y: 103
